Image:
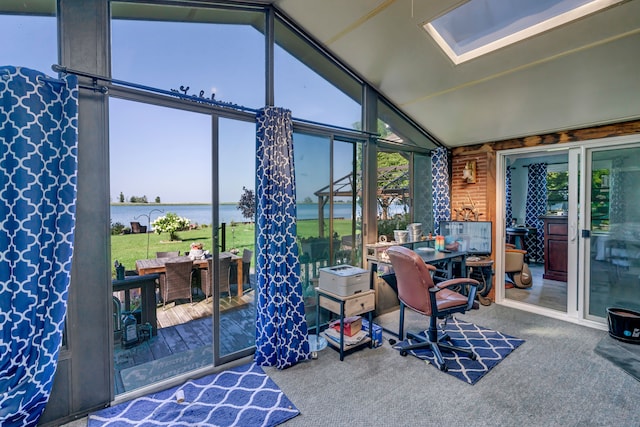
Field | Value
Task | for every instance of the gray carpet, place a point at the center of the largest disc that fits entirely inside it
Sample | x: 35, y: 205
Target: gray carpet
x: 624, y: 355
x: 553, y: 379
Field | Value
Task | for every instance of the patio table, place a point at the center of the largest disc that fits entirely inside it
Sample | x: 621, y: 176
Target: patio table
x: 157, y: 265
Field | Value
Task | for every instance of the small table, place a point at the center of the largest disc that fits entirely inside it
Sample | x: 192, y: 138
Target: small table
x: 147, y: 284
x: 156, y: 265
x: 517, y: 235
x: 481, y: 269
x: 352, y: 305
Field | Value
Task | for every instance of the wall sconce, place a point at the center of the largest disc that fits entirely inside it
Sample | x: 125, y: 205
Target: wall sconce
x: 469, y: 172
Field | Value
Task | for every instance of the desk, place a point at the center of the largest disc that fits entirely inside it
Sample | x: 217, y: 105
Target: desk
x: 147, y: 284
x: 387, y: 293
x: 156, y: 265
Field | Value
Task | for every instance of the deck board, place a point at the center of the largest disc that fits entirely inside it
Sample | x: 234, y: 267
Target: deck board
x: 187, y: 327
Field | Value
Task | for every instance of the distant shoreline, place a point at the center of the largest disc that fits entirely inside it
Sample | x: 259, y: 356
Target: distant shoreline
x: 191, y: 204
x: 168, y: 204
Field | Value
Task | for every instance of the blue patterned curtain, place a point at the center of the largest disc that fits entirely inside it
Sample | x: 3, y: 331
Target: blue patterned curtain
x: 508, y: 205
x: 535, y: 207
x: 281, y: 328
x: 440, y: 187
x: 38, y: 167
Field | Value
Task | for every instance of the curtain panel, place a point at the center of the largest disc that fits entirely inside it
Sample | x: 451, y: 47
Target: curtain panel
x: 281, y: 327
x: 535, y: 207
x: 508, y: 203
x: 440, y: 187
x: 38, y: 177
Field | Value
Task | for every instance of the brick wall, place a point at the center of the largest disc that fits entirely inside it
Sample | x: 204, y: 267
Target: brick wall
x: 466, y: 194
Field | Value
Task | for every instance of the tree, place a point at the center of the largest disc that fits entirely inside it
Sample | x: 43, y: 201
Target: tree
x: 121, y: 197
x: 247, y: 203
x: 157, y: 199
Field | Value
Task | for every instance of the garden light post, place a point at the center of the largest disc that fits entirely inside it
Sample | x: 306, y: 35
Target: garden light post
x: 148, y: 224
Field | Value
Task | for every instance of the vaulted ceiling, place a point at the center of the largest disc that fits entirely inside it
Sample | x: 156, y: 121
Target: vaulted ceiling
x: 581, y: 74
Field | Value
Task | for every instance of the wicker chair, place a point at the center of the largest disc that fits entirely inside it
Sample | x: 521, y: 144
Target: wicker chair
x: 171, y: 254
x: 247, y: 256
x: 206, y: 279
x: 176, y: 282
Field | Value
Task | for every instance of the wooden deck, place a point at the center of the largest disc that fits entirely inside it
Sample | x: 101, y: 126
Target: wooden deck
x: 184, y: 341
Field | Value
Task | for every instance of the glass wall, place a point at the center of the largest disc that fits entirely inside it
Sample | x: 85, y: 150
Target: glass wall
x: 29, y: 40
x: 615, y: 226
x: 202, y: 165
x: 161, y: 208
x: 312, y: 162
x: 200, y: 51
x: 311, y: 85
x: 329, y: 222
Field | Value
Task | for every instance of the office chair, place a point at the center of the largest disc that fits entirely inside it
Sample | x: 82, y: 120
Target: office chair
x: 417, y: 291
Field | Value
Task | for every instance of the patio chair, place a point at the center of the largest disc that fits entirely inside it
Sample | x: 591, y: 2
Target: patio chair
x: 175, y: 284
x: 247, y: 256
x: 206, y: 277
x: 170, y: 254
x: 136, y: 228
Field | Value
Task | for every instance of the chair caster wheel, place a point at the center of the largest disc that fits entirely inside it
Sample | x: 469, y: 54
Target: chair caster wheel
x: 444, y: 368
x: 473, y: 357
x: 314, y: 355
x: 403, y: 353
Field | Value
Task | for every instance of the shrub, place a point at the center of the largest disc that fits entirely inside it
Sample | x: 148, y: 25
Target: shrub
x: 117, y: 228
x: 170, y: 223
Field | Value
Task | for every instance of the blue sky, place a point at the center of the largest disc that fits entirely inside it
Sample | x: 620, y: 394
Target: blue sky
x: 156, y: 151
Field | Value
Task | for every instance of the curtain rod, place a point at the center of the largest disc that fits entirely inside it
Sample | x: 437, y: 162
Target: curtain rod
x: 60, y: 69
x: 554, y: 163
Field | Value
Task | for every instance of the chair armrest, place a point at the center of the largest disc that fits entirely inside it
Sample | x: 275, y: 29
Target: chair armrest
x: 458, y: 281
x: 517, y: 251
x: 462, y: 281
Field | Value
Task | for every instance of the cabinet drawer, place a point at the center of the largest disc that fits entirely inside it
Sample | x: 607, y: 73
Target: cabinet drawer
x: 352, y: 306
x: 557, y: 229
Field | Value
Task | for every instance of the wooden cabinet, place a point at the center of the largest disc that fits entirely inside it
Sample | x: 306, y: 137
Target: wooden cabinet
x: 555, y: 247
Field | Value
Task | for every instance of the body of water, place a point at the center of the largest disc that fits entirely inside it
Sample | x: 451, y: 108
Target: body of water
x: 202, y: 214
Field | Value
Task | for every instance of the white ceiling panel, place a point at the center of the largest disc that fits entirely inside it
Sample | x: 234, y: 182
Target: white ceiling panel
x: 583, y: 73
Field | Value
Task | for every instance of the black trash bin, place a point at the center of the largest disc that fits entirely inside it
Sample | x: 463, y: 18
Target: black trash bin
x: 624, y: 324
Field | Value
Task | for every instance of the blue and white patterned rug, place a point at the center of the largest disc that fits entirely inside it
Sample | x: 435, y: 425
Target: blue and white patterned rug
x: 489, y: 346
x: 242, y: 396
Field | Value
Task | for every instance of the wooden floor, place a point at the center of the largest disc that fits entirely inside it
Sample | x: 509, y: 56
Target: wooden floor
x: 543, y: 292
x: 185, y: 329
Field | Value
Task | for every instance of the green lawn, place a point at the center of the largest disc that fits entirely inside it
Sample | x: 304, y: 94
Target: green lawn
x: 128, y: 248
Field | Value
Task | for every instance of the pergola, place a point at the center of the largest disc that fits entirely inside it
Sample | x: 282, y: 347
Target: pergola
x: 392, y: 186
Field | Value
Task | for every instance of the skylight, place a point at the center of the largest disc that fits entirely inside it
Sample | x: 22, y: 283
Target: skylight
x: 482, y: 26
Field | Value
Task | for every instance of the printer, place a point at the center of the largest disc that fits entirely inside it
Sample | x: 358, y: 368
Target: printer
x: 344, y: 280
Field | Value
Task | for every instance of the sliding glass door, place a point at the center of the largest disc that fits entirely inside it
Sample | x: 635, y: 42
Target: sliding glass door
x: 537, y: 216
x: 613, y: 278
x: 234, y: 289
x: 588, y: 230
